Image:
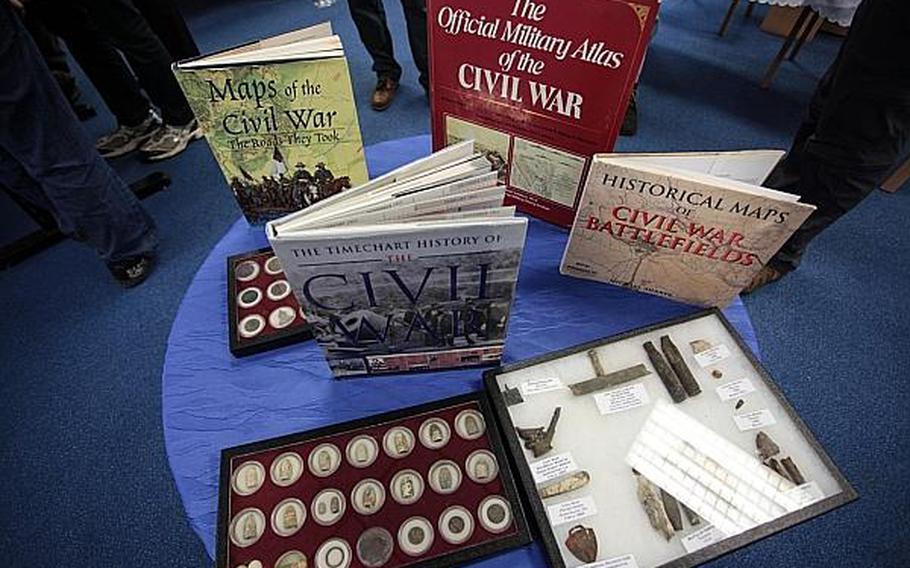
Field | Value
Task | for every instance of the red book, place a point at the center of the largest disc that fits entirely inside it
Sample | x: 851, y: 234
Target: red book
x: 539, y: 85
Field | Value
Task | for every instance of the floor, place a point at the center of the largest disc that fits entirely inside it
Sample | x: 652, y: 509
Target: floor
x: 87, y: 477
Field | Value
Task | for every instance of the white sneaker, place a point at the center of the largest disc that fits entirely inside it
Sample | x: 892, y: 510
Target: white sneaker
x: 168, y: 141
x: 127, y: 138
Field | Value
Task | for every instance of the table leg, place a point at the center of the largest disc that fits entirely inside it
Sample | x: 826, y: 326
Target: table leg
x: 726, y: 22
x: 807, y: 30
x: 791, y: 37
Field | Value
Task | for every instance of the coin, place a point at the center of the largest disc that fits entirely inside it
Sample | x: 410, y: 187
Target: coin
x: 273, y: 266
x: 434, y: 433
x: 282, y: 317
x: 368, y: 496
x: 444, y: 477
x: 334, y: 553
x: 469, y: 424
x: 415, y: 536
x: 247, y: 527
x: 324, y: 460
x: 246, y: 270
x: 494, y: 514
x: 481, y: 466
x: 249, y: 297
x: 406, y: 487
x: 456, y: 525
x: 278, y: 290
x: 398, y: 442
x: 374, y: 547
x: 292, y: 559
x: 362, y: 451
x: 251, y: 326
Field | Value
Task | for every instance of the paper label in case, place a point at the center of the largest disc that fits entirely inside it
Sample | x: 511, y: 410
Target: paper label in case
x: 701, y: 538
x: 627, y: 561
x: 571, y: 511
x: 538, y: 386
x: 714, y: 355
x: 622, y: 398
x: 735, y: 389
x: 754, y: 420
x: 553, y: 467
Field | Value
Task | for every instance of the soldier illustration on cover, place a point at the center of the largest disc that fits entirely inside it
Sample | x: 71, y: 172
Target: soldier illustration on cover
x: 282, y: 191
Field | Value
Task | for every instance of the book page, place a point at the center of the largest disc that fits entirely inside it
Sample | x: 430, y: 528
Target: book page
x: 747, y: 166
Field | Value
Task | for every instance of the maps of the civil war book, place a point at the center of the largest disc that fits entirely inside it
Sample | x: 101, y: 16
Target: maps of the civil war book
x: 414, y: 271
x: 694, y: 227
x: 540, y: 86
x: 280, y: 118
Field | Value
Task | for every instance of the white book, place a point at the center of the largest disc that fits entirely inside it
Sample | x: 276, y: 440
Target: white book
x: 414, y: 270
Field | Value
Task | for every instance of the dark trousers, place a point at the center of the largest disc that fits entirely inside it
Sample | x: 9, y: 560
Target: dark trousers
x: 46, y: 160
x: 99, y: 34
x: 858, y: 124
x: 369, y: 17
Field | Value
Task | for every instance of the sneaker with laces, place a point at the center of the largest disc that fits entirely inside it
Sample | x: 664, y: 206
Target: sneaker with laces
x: 168, y: 141
x: 132, y: 271
x: 127, y: 138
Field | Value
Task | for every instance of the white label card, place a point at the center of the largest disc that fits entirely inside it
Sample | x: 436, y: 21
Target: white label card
x: 754, y: 420
x: 622, y: 398
x: 553, y: 467
x: 571, y: 511
x: 735, y: 389
x: 627, y: 561
x: 806, y: 494
x: 711, y: 356
x: 701, y: 538
x: 538, y: 386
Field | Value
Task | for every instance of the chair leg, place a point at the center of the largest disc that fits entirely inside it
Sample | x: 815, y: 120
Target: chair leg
x: 749, y: 8
x: 804, y: 35
x: 791, y: 37
x: 727, y: 18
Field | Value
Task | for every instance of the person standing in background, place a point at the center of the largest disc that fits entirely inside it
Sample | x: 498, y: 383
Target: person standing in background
x: 857, y: 128
x: 369, y: 17
x: 46, y: 160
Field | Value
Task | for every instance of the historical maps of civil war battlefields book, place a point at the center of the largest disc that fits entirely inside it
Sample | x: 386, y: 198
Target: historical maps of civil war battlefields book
x: 280, y: 118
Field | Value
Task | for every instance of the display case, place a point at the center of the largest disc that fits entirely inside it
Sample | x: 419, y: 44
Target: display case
x: 424, y: 486
x: 263, y: 312
x: 662, y: 447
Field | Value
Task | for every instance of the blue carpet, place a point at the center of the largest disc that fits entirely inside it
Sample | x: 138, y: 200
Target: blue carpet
x: 86, y: 477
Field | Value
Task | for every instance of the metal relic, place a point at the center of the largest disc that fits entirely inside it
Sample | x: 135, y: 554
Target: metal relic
x: 512, y: 396
x: 471, y: 426
x: 767, y: 448
x: 649, y: 496
x: 793, y: 472
x: 683, y: 373
x: 700, y: 345
x: 776, y: 467
x: 666, y: 373
x: 374, y: 547
x: 671, y: 506
x: 496, y: 513
x: 739, y: 404
x: 539, y: 440
x: 335, y: 505
x: 717, y: 373
x: 691, y: 515
x: 289, y: 517
x: 582, y: 543
x: 575, y: 481
x: 604, y: 380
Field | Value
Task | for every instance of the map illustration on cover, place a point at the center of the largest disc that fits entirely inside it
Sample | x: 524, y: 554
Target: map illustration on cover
x: 413, y: 299
x: 539, y: 85
x: 285, y: 135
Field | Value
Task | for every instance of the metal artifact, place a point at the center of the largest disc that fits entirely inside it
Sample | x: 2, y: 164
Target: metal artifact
x: 683, y: 373
x: 717, y: 373
x: 512, y: 396
x: 374, y: 547
x: 666, y: 373
x: 775, y: 465
x: 767, y: 448
x: 539, y: 440
x: 582, y: 543
x: 671, y: 506
x: 700, y: 345
x: 607, y: 380
x: 649, y: 496
x: 739, y: 404
x: 793, y: 472
x: 691, y: 515
x: 575, y: 481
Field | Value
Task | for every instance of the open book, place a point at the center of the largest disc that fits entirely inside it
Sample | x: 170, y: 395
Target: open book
x: 414, y: 270
x: 280, y: 118
x: 695, y: 227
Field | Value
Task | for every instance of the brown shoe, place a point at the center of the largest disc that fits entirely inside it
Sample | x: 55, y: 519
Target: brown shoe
x: 766, y: 275
x: 384, y: 93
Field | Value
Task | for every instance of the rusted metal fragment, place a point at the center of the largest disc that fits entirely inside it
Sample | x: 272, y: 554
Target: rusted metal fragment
x: 649, y: 496
x: 666, y: 373
x: 683, y: 373
x: 767, y: 448
x: 565, y: 485
x: 609, y: 380
x: 691, y: 515
x: 671, y: 506
x: 539, y: 440
x: 793, y: 472
x: 582, y: 543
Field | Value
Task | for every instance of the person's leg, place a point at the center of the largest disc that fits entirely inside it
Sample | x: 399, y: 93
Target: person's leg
x: 415, y: 14
x: 369, y: 17
x: 41, y: 141
x: 168, y: 23
x: 863, y: 125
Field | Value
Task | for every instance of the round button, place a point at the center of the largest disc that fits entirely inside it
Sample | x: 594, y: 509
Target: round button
x: 374, y: 547
x: 251, y: 326
x: 249, y: 297
x: 248, y: 478
x: 246, y: 271
x: 278, y: 290
x: 273, y: 265
x: 334, y: 553
x: 456, y: 525
x: 494, y: 514
x: 247, y: 527
x: 415, y: 536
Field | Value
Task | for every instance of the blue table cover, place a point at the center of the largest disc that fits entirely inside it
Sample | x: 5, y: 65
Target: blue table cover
x: 212, y: 400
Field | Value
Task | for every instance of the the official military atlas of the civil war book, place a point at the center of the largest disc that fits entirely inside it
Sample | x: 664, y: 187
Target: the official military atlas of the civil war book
x: 280, y: 118
x: 413, y: 271
x: 695, y: 227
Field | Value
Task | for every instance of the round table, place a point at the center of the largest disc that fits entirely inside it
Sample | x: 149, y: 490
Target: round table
x: 211, y: 400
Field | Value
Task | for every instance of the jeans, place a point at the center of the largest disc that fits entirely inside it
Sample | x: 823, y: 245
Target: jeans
x: 46, y: 160
x: 369, y: 17
x: 857, y: 128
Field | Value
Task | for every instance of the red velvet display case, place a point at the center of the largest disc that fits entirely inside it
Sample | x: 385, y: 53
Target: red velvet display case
x: 263, y: 313
x: 426, y: 486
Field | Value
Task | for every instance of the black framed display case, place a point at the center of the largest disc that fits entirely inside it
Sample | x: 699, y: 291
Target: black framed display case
x: 425, y: 486
x: 263, y: 312
x: 665, y: 446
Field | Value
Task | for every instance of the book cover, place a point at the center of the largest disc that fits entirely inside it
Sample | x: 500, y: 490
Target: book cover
x: 539, y: 85
x: 285, y: 133
x: 407, y: 297
x: 692, y: 237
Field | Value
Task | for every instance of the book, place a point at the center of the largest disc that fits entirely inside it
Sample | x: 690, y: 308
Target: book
x: 280, y: 118
x: 695, y: 227
x: 412, y: 271
x: 540, y: 86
